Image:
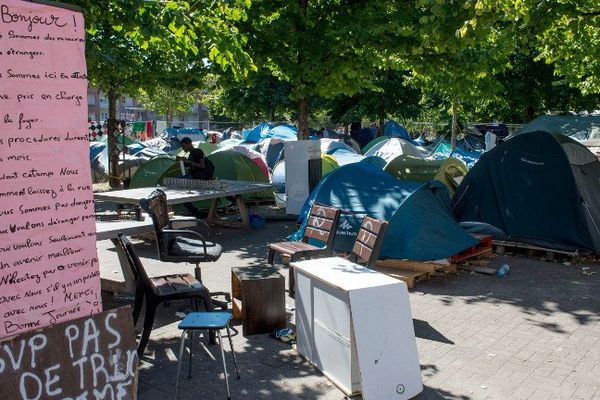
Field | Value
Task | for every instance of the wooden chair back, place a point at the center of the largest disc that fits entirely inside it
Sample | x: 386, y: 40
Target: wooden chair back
x: 322, y: 224
x: 369, y: 238
x: 156, y: 206
x: 134, y: 262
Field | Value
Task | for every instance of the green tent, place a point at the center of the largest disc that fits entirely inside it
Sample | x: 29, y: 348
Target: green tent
x: 151, y: 172
x: 449, y: 171
x: 373, y: 143
x: 235, y: 166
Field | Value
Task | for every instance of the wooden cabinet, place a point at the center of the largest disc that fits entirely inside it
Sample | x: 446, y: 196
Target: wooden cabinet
x: 258, y: 295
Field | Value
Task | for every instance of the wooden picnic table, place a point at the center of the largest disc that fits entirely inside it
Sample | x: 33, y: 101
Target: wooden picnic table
x: 181, y: 191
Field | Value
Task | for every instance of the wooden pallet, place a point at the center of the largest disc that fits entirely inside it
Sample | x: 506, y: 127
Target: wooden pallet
x: 483, y: 248
x: 531, y: 250
x: 424, y: 266
x: 411, y: 271
x: 407, y: 276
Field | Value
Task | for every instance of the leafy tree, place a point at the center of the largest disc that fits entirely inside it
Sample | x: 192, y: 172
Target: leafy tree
x: 529, y: 88
x: 460, y: 48
x: 132, y: 45
x: 390, y: 97
x: 258, y: 97
x: 320, y: 48
x: 168, y: 101
x: 565, y: 33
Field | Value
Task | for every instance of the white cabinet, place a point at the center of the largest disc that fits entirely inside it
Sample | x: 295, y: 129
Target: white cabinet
x: 355, y: 325
x: 300, y: 157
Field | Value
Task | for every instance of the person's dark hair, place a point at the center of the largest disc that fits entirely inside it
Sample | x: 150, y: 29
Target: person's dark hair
x: 185, y: 140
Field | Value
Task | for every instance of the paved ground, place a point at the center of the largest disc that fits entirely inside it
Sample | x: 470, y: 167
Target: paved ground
x: 533, y: 335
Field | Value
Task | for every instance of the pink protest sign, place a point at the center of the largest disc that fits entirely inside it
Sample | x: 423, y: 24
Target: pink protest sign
x: 48, y: 262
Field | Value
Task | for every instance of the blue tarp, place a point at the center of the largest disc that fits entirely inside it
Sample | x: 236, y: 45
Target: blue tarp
x: 394, y: 129
x: 421, y: 226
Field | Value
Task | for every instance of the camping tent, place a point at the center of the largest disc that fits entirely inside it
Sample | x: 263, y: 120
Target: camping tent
x: 194, y: 134
x: 449, y: 171
x: 257, y: 133
x: 393, y: 147
x: 283, y: 132
x: 538, y: 188
x: 394, y: 129
x: 421, y: 226
x: 373, y: 143
x: 151, y: 172
x: 239, y: 163
x: 272, y: 150
x: 328, y: 146
x: 577, y: 127
x: 343, y: 156
x: 443, y: 149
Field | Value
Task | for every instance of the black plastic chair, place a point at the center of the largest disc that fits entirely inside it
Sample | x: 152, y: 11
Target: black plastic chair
x: 158, y: 290
x: 181, y: 245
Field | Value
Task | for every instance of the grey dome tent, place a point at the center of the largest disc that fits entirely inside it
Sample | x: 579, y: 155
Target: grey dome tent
x: 539, y: 188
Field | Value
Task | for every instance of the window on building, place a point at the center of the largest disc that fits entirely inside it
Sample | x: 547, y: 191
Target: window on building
x: 104, y: 115
x: 91, y: 100
x: 104, y: 101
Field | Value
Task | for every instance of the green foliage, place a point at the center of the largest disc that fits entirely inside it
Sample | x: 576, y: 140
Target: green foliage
x: 390, y: 97
x: 168, y: 101
x: 565, y: 33
x: 320, y: 48
x: 135, y: 44
x: 259, y: 97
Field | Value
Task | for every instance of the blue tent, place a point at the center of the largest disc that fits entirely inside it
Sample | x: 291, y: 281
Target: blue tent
x: 394, y: 129
x: 344, y: 156
x: 284, y: 132
x: 257, y: 133
x: 421, y: 226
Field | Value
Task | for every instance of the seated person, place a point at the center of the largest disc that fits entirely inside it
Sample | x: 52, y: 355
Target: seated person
x: 199, y: 167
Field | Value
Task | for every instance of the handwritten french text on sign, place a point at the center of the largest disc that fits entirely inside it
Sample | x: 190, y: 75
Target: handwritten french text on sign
x: 89, y: 358
x: 48, y: 262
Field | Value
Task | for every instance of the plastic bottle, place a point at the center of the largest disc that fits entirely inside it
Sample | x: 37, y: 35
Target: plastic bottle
x: 503, y: 271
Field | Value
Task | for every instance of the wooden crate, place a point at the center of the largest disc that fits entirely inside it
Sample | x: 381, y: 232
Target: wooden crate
x: 258, y: 297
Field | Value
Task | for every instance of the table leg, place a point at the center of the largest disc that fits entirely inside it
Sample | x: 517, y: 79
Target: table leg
x: 212, y: 212
x: 243, y: 211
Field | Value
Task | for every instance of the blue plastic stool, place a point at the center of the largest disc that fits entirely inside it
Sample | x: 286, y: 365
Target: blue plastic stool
x: 214, y: 321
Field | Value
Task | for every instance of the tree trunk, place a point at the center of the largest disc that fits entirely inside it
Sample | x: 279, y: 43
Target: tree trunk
x: 380, y: 127
x: 345, y: 129
x: 113, y: 150
x: 169, y: 119
x: 454, y: 122
x: 303, y: 128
